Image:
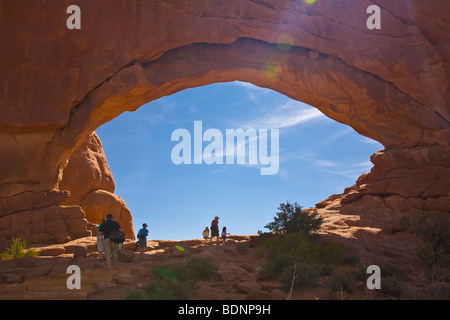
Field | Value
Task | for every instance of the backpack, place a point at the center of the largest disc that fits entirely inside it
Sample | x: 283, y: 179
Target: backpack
x: 117, y: 236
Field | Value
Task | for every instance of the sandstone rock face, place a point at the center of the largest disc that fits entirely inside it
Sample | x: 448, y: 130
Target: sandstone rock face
x: 87, y: 170
x: 91, y: 185
x: 59, y: 85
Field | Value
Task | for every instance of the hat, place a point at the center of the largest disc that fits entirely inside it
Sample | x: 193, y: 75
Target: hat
x: 144, y: 225
x: 216, y: 217
x: 109, y: 216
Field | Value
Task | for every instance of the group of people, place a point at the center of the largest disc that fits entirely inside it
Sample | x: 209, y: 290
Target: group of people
x: 110, y: 248
x: 215, y: 231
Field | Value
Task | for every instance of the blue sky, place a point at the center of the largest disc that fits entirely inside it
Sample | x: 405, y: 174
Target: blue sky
x: 317, y: 157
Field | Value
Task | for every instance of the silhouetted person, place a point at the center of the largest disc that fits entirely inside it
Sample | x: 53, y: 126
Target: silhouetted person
x: 215, y: 229
x: 111, y: 247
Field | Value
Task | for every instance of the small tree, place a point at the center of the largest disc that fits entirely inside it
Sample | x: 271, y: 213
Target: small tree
x: 291, y: 218
x: 17, y: 250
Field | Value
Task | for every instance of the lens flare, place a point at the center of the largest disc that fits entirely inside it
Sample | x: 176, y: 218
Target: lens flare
x: 167, y: 274
x: 271, y: 70
x: 310, y: 1
x: 285, y: 42
x: 179, y: 248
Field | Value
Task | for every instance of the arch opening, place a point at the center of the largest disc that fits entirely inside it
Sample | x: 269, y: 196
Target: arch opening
x: 317, y: 157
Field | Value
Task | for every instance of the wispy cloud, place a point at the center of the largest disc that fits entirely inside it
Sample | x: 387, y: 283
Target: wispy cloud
x: 277, y: 116
x: 347, y: 169
x: 290, y: 114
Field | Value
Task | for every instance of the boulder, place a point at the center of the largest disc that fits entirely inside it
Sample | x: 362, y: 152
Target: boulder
x: 79, y: 251
x: 52, y: 251
x: 126, y: 256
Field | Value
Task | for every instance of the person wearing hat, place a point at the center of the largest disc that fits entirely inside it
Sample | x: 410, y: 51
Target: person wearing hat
x: 142, y: 238
x: 215, y: 229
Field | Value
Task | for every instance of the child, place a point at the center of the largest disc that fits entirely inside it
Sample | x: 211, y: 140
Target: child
x: 224, y: 234
x: 206, y: 233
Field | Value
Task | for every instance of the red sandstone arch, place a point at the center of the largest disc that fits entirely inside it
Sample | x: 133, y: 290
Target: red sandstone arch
x: 59, y: 85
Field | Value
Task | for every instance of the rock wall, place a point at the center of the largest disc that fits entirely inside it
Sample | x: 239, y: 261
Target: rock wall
x: 91, y: 186
x: 54, y: 216
x: 59, y: 85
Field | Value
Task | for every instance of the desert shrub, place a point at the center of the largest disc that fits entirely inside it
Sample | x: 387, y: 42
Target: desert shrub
x: 194, y: 269
x: 17, y: 250
x: 291, y: 219
x: 359, y: 273
x: 332, y: 253
x: 342, y: 282
x: 326, y: 270
x: 351, y: 259
x: 260, y: 252
x: 390, y: 270
x: 438, y: 291
x: 434, y: 229
x: 275, y: 265
x: 295, y: 245
x: 305, y: 275
x: 393, y: 287
x: 294, y: 257
x: 134, y: 295
x: 174, y: 281
x: 242, y: 248
x: 200, y: 268
x: 164, y: 289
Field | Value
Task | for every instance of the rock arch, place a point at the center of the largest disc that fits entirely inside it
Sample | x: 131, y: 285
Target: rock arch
x: 59, y: 85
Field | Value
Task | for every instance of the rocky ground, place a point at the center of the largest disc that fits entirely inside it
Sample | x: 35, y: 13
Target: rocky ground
x: 44, y: 277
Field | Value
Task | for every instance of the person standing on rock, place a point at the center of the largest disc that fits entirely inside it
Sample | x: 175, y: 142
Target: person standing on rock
x: 100, y: 238
x: 111, y: 247
x: 224, y: 234
x: 142, y: 238
x: 215, y: 229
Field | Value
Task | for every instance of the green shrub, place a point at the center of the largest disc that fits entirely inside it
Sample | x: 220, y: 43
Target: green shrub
x: 260, y: 252
x: 295, y: 245
x: 390, y: 270
x: 194, y: 269
x: 359, y: 273
x: 342, y: 282
x: 242, y: 248
x: 174, y: 281
x: 134, y: 295
x: 351, y: 259
x: 433, y: 228
x: 332, y: 253
x: 291, y: 219
x: 17, y: 250
x: 275, y: 264
x: 164, y: 289
x: 392, y: 287
x: 326, y: 270
x: 200, y: 268
x: 305, y: 275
